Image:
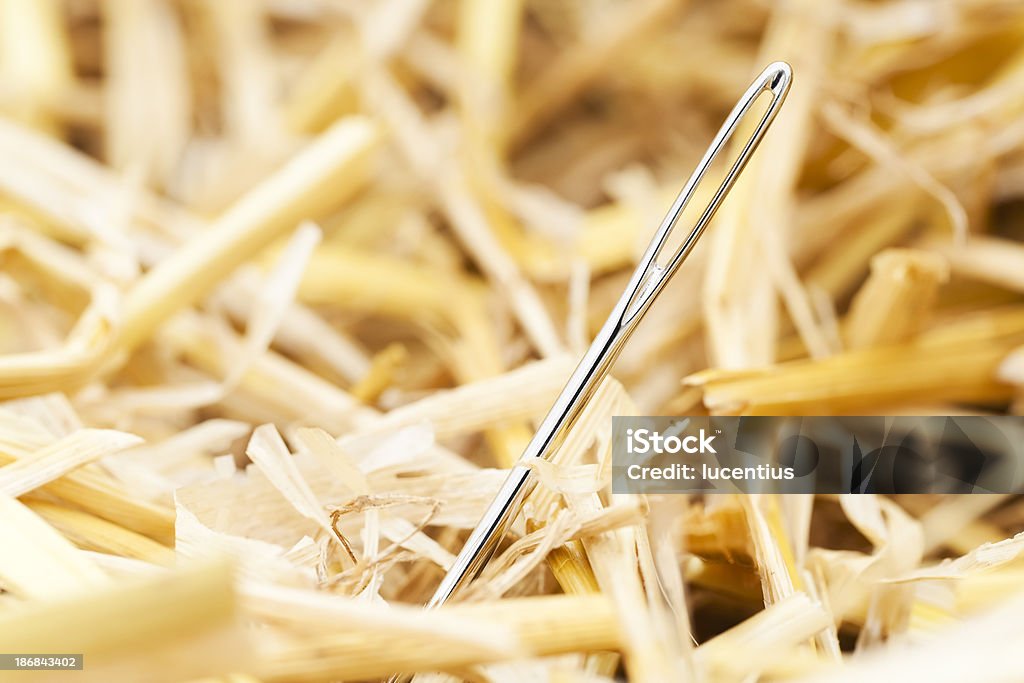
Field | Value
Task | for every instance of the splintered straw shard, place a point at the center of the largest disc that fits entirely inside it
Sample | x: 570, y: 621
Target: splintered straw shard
x: 647, y: 281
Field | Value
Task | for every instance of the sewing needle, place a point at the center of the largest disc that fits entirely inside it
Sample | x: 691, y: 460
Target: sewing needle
x: 647, y: 281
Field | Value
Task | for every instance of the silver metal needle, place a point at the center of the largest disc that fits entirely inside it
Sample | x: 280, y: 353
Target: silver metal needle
x: 647, y: 281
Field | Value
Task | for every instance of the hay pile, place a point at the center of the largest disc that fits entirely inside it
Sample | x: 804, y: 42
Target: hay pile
x: 285, y: 285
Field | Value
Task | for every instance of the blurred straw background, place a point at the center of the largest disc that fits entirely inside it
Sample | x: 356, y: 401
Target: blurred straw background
x: 286, y: 283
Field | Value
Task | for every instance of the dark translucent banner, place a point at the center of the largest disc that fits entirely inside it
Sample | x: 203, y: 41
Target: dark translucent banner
x: 899, y: 454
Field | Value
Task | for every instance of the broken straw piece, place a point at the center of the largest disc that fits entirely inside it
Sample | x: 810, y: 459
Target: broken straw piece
x: 897, y: 298
x: 320, y: 177
x: 49, y: 463
x: 326, y: 173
